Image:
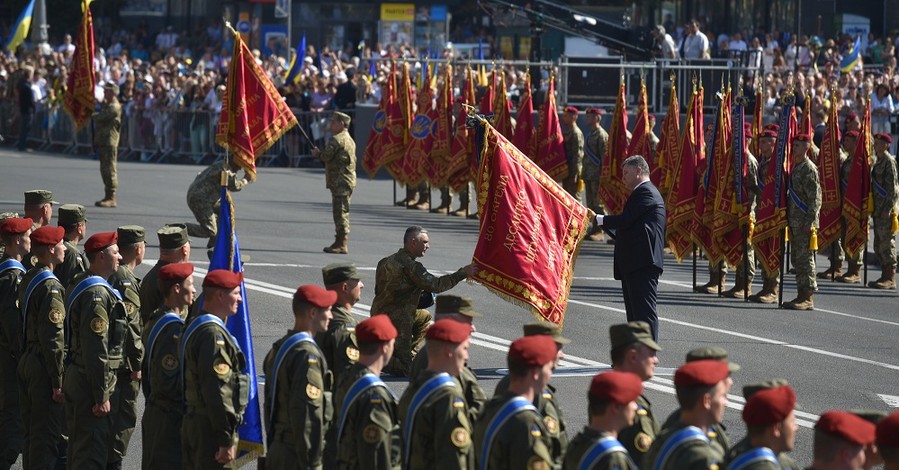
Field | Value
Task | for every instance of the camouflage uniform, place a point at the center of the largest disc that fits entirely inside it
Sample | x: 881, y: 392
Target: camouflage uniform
x: 805, y: 186
x: 124, y: 411
x: 107, y: 123
x: 754, y: 193
x: 371, y: 434
x: 339, y: 156
x: 852, y: 258
x: 161, y: 421
x: 582, y: 443
x: 595, y: 151
x: 11, y: 427
x: 522, y: 442
x: 399, y: 282
x: 574, y: 152
x: 553, y: 421
x: 885, y: 188
x: 203, y: 197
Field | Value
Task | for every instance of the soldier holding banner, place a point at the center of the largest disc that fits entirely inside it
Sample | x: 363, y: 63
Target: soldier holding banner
x: 574, y: 150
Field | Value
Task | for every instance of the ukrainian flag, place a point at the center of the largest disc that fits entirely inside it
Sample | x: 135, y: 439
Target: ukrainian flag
x: 853, y: 57
x: 20, y: 30
x: 296, y: 65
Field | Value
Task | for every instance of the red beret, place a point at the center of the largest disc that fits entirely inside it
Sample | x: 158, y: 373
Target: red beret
x: 853, y: 134
x: 884, y: 137
x: 888, y: 431
x: 47, y: 235
x: 846, y: 426
x: 16, y: 226
x: 769, y: 406
x: 705, y: 373
x: 449, y: 330
x: 851, y: 117
x: 617, y: 387
x: 769, y: 133
x: 534, y: 350
x: 747, y: 125
x: 315, y: 295
x: 593, y: 110
x: 801, y: 138
x: 773, y: 127
x: 223, y: 279
x: 747, y: 134
x: 572, y: 110
x: 175, y: 271
x: 376, y: 329
x: 100, y: 241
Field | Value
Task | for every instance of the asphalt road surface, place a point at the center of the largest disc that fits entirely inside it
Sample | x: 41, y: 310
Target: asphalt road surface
x: 842, y: 355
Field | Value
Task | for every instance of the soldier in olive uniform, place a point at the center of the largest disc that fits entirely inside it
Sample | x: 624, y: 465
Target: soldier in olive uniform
x: 14, y: 232
x: 399, y: 282
x: 107, y: 123
x: 41, y: 368
x: 595, y: 152
x: 462, y: 310
x: 510, y: 433
x: 803, y: 204
x: 745, y: 445
x: 743, y: 283
x: 611, y: 407
x: 885, y: 189
x: 161, y: 422
x: 770, y: 281
x: 854, y: 260
x: 4, y: 216
x: 686, y: 445
x: 840, y: 441
x: 545, y: 401
x: 96, y: 327
x: 72, y: 219
x: 574, y: 150
x: 203, y: 197
x: 298, y: 392
x: 633, y: 350
x: 174, y: 247
x: 837, y: 255
x: 433, y: 414
x: 771, y: 427
x: 39, y: 206
x: 132, y: 247
x: 339, y: 157
x: 338, y: 343
x: 366, y: 415
x: 215, y: 391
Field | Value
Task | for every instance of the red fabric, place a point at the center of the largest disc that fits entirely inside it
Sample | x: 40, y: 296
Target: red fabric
x: 857, y: 202
x: 770, y: 406
x: 533, y: 351
x: 616, y: 387
x: 47, y: 235
x: 640, y: 143
x: 829, y: 225
x: 448, y: 330
x: 16, y: 226
x: 79, y: 98
x: 315, y: 295
x: 175, y: 271
x: 443, y: 135
x: 376, y: 329
x: 681, y: 201
x: 550, y: 155
x: 729, y: 214
x: 704, y: 373
x: 399, y: 118
x: 612, y: 192
x: 524, y: 122
x: 371, y: 158
x: 417, y: 157
x: 502, y: 110
x: 459, y: 169
x: 100, y: 241
x: 489, y: 96
x: 529, y: 231
x: 227, y: 279
x: 847, y: 426
x: 669, y: 146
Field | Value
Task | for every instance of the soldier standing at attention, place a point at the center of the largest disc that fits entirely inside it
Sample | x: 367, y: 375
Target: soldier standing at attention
x: 399, y: 282
x: 595, y: 152
x: 41, y: 367
x: 611, y: 407
x: 854, y: 260
x: 107, y: 123
x: 215, y: 391
x: 574, y: 150
x: 339, y: 157
x: 96, y: 334
x: 174, y: 247
x: 338, y: 343
x: 14, y: 233
x: 771, y: 430
x: 39, y: 206
x: 366, y: 416
x: 203, y: 198
x: 161, y: 422
x: 770, y: 282
x: 132, y: 247
x: 298, y: 392
x: 885, y: 189
x: 72, y: 219
x: 803, y: 204
x: 840, y: 441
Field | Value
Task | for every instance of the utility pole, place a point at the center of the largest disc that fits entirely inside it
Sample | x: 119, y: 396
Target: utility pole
x: 39, y: 35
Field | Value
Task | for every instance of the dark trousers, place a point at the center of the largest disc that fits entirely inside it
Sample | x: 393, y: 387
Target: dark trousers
x: 27, y: 118
x: 640, y: 291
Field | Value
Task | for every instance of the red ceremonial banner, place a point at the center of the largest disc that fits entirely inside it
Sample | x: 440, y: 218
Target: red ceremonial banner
x: 757, y: 125
x: 612, y: 192
x: 669, y: 145
x: 489, y: 96
x: 502, y: 110
x: 529, y: 232
x: 731, y: 209
x: 79, y: 100
x: 524, y: 122
x: 458, y: 171
x: 550, y: 155
x: 707, y: 197
x: 829, y: 223
x: 640, y: 143
x: 681, y: 201
x: 417, y: 160
x: 399, y: 112
x: 443, y: 137
x: 371, y: 158
x: 858, y: 203
x: 254, y: 116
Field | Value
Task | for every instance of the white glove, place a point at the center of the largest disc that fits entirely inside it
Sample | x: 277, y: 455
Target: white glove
x: 599, y: 219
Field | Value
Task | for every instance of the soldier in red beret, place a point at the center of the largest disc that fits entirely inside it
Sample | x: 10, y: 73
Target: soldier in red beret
x: 510, y: 434
x: 885, y: 190
x: 41, y: 366
x: 574, y: 150
x: 298, y: 389
x: 771, y: 428
x: 162, y: 418
x: 366, y: 416
x: 803, y: 204
x: 840, y: 441
x: 433, y: 412
x: 702, y: 389
x: 611, y: 407
x: 887, y: 439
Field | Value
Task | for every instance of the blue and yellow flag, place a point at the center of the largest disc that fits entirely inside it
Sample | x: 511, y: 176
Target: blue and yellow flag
x: 226, y: 255
x: 852, y: 59
x: 20, y: 30
x: 296, y: 65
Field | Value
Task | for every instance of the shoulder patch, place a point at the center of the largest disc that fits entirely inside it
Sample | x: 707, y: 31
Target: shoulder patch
x: 221, y: 367
x: 537, y: 463
x: 458, y: 403
x: 313, y: 392
x: 126, y: 282
x: 170, y: 362
x: 130, y: 308
x: 371, y: 434
x: 642, y: 411
x: 56, y: 316
x: 460, y: 437
x: 375, y: 399
x: 352, y: 353
x: 98, y: 298
x: 642, y: 442
x: 712, y: 434
x: 98, y: 325
x: 220, y: 340
x: 551, y: 425
x: 351, y: 328
x: 713, y: 466
x: 54, y: 290
x: 547, y: 395
x: 34, y: 260
x: 535, y: 431
x: 312, y: 359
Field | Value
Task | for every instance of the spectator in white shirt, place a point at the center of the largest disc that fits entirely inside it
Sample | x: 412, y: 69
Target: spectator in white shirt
x: 737, y: 45
x: 881, y: 108
x: 66, y: 47
x: 664, y: 43
x: 696, y: 45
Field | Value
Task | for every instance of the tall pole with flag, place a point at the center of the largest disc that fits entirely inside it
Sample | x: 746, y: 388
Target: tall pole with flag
x: 611, y: 187
x: 79, y: 98
x: 669, y: 144
x: 19, y: 31
x: 296, y: 65
x: 829, y: 223
x: 681, y: 200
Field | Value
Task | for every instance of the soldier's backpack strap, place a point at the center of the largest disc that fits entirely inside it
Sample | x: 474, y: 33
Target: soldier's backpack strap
x: 511, y: 408
x: 287, y: 345
x: 684, y: 436
x: 164, y: 321
x: 437, y: 382
x: 366, y: 382
x: 195, y: 325
x: 80, y: 288
x: 600, y: 449
x: 11, y: 264
x: 759, y: 454
x: 35, y: 281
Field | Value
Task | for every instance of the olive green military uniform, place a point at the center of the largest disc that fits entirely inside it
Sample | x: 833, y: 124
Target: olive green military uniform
x: 203, y: 197
x: 338, y: 344
x: 553, y: 421
x: 41, y: 368
x: 215, y: 392
x: 716, y: 432
x: 751, y: 182
x: 75, y: 263
x: 97, y: 325
x: 124, y: 411
x: 574, y: 152
x: 171, y: 236
x: 371, y: 438
x: 339, y: 157
x: 689, y: 455
x: 11, y: 428
x: 302, y: 406
x: 805, y: 186
x: 786, y: 462
x: 399, y: 282
x: 440, y: 435
x: 639, y: 437
x: 475, y: 397
x: 584, y: 441
x: 107, y: 123
x: 885, y: 189
x: 161, y: 421
x: 522, y: 442
x: 595, y: 152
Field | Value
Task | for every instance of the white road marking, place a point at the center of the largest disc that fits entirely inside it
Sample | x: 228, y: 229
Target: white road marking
x: 891, y: 400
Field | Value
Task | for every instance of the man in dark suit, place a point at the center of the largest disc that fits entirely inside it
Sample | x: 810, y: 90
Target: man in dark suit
x: 640, y: 238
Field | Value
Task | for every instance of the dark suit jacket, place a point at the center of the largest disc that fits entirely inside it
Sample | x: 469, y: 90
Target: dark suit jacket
x: 640, y: 231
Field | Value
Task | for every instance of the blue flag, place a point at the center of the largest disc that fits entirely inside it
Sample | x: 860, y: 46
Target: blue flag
x: 296, y: 65
x: 226, y: 255
x: 851, y: 59
x: 19, y: 31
